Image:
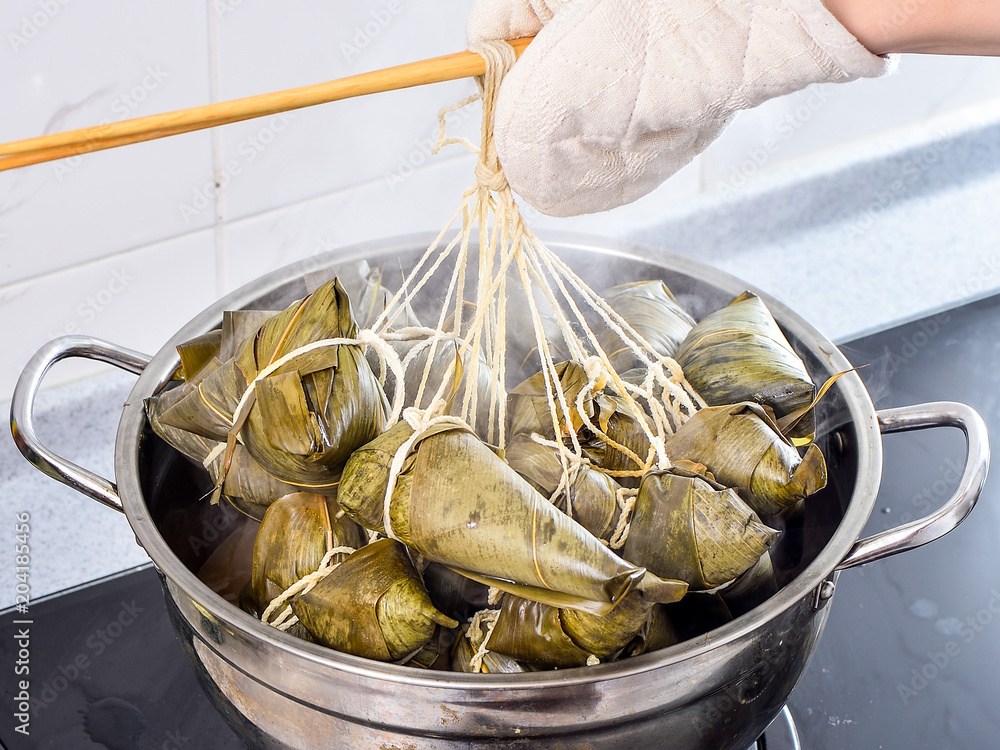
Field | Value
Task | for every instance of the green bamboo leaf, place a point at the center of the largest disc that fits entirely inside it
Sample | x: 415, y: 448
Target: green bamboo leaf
x: 590, y: 496
x: 436, y: 653
x: 237, y: 325
x: 686, y: 528
x: 192, y: 445
x: 372, y: 605
x: 294, y: 535
x: 324, y: 402
x: 528, y: 403
x: 463, y: 374
x: 456, y: 595
x: 493, y: 662
x: 752, y: 588
x: 459, y: 504
x: 658, y: 631
x: 743, y: 448
x: 532, y: 633
x: 739, y: 354
x: 606, y: 636
x: 628, y: 431
x: 788, y: 422
x: 653, y: 312
x: 246, y: 486
x: 199, y: 352
x: 207, y: 408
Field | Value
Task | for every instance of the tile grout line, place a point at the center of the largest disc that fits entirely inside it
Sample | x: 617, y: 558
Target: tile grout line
x: 216, y: 227
x: 215, y: 87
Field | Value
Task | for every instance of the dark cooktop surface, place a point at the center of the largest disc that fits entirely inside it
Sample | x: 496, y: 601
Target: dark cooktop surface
x: 909, y: 655
x: 907, y: 659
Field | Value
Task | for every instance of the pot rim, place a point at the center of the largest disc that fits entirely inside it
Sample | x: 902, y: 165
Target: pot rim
x: 855, y: 517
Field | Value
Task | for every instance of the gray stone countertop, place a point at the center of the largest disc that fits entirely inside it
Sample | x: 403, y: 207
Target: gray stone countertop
x: 72, y: 539
x: 896, y: 228
x: 904, y: 227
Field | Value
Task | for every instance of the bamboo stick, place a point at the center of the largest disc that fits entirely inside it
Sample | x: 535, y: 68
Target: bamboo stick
x: 84, y: 140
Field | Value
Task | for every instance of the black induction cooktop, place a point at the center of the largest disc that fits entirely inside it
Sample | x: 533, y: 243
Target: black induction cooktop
x: 908, y: 658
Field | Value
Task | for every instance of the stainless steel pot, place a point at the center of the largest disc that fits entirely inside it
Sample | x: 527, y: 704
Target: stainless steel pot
x: 716, y: 691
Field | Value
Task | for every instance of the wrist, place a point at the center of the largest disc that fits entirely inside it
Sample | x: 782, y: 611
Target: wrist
x: 861, y: 19
x: 960, y: 27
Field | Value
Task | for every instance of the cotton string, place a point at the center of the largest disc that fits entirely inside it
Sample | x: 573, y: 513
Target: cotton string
x: 507, y: 245
x: 249, y: 396
x: 475, y: 632
x: 304, y: 585
x: 422, y: 421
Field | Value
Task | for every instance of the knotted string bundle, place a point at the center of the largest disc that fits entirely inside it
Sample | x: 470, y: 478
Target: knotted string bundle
x: 511, y: 259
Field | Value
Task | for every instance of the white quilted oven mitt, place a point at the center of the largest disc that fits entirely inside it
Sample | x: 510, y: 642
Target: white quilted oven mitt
x: 614, y: 96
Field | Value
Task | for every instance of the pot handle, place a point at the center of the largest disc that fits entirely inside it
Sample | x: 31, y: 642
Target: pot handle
x: 23, y: 403
x: 952, y: 513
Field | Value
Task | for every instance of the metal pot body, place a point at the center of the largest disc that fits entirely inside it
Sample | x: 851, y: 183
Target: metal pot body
x: 717, y: 691
x: 723, y: 697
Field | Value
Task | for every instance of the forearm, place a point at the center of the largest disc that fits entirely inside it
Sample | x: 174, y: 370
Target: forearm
x: 951, y: 27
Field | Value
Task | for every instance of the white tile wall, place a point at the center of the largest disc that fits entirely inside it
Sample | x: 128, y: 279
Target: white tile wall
x: 417, y: 202
x: 193, y: 216
x: 401, y: 202
x: 68, y: 65
x: 136, y: 299
x: 266, y: 46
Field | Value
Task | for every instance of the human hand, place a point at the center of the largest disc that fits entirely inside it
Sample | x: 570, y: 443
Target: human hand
x: 614, y: 96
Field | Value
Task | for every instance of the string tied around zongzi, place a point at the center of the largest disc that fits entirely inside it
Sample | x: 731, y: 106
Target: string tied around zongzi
x: 304, y: 585
x: 509, y: 250
x: 571, y: 461
x: 597, y: 378
x: 626, y: 498
x: 247, y: 400
x: 422, y: 421
x: 480, y: 629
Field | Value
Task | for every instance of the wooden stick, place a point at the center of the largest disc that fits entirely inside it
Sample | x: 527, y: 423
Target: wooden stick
x: 70, y: 143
